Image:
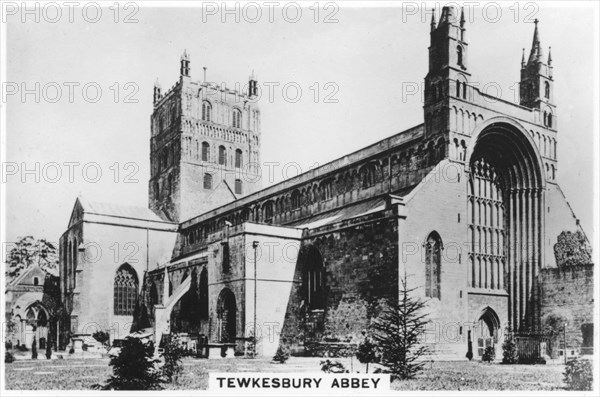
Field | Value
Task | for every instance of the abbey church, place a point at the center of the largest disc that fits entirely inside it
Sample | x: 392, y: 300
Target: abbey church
x: 465, y: 207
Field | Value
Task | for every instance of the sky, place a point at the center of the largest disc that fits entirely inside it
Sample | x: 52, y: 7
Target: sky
x: 353, y: 72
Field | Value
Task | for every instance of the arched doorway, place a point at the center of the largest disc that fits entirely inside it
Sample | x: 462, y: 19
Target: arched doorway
x: 505, y: 218
x: 227, y: 315
x: 487, y: 330
x: 185, y: 316
x: 36, y: 324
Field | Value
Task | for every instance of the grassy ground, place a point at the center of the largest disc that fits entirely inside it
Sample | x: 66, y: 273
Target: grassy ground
x: 475, y: 375
x: 75, y: 374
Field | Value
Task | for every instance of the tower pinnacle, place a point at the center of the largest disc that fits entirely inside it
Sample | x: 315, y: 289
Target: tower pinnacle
x: 157, y: 91
x: 184, y: 70
x: 536, y: 47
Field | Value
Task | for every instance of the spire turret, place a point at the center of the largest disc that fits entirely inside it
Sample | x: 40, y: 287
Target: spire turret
x: 252, y: 86
x: 157, y: 91
x: 448, y: 16
x: 536, y: 86
x: 184, y: 70
x: 448, y: 73
x: 536, y: 47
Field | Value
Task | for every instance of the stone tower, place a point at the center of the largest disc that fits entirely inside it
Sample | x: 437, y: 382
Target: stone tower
x: 448, y: 74
x: 204, y: 146
x: 536, y: 88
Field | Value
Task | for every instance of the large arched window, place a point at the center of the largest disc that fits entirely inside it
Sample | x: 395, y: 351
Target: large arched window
x: 237, y: 118
x: 433, y: 265
x: 486, y: 225
x: 206, y: 111
x: 125, y: 291
x: 222, y: 155
x: 205, y: 151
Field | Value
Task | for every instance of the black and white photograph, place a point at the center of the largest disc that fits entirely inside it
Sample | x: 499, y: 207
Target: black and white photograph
x: 299, y: 198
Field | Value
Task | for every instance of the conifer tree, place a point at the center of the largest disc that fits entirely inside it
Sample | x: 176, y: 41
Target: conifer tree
x: 398, y: 332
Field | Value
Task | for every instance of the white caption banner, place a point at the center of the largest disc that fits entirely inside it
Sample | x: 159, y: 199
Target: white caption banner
x: 291, y: 384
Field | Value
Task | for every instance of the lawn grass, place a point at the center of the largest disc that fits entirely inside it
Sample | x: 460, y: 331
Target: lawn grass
x: 476, y: 375
x: 73, y: 374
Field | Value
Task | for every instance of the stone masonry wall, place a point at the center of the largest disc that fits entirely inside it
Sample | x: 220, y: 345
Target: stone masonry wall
x: 569, y: 292
x: 360, y: 261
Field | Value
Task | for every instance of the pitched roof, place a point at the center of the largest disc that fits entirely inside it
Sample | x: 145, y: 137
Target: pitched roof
x: 119, y: 210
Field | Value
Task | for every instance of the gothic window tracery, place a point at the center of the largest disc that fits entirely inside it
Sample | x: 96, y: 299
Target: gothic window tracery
x: 486, y: 226
x: 125, y: 291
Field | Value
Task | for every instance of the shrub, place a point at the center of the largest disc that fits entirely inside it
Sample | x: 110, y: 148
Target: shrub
x: 172, y: 354
x: 281, y: 355
x: 333, y: 367
x: 578, y: 374
x: 102, y: 337
x: 133, y: 368
x: 510, y: 354
x: 489, y: 354
x: 252, y: 345
x: 23, y: 348
x: 367, y: 352
x: 8, y: 358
